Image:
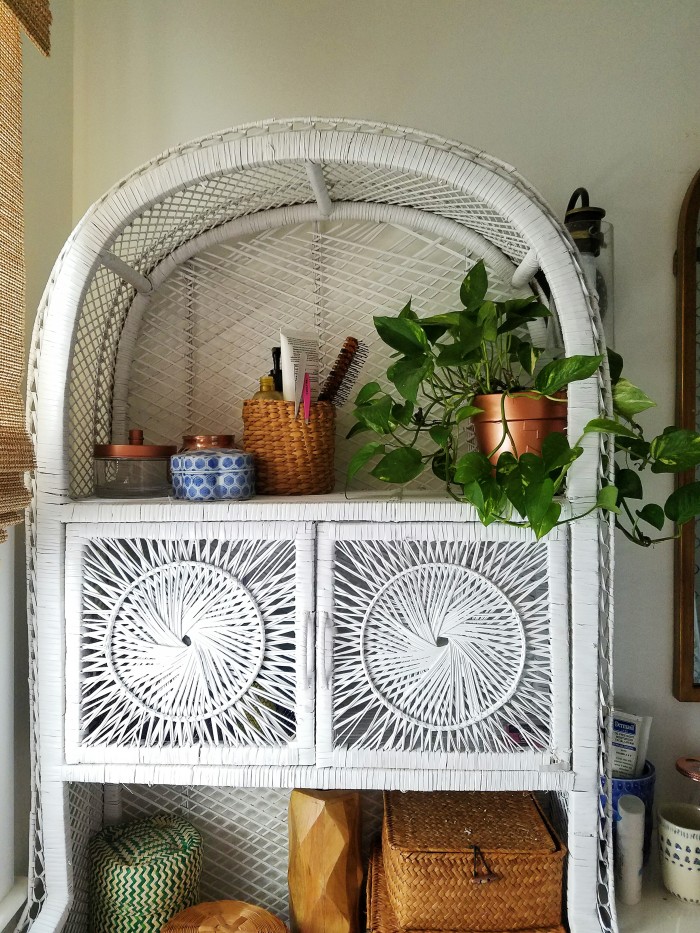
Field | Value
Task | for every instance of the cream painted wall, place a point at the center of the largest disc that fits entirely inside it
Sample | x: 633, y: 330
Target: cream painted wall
x: 598, y: 93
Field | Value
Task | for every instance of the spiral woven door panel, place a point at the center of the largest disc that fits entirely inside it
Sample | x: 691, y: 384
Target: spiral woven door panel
x: 189, y: 643
x: 442, y: 645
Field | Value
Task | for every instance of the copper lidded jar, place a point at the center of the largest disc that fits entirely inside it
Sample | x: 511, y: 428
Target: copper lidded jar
x: 133, y: 470
x: 207, y: 442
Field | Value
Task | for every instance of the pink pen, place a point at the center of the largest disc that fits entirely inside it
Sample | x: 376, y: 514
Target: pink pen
x: 306, y: 397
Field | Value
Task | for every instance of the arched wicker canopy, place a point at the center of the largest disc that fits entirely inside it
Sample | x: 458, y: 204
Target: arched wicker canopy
x: 249, y: 183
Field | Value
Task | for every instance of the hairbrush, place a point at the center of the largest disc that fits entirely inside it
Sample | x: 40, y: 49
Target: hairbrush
x: 343, y: 376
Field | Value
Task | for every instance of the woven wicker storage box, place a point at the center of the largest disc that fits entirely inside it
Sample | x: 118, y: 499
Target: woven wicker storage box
x: 292, y: 458
x: 439, y: 848
x: 381, y: 917
x: 142, y: 873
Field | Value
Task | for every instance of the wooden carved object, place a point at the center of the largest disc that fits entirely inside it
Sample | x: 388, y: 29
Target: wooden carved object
x: 325, y: 866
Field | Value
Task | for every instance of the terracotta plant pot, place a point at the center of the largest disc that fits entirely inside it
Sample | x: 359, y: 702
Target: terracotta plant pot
x: 530, y: 419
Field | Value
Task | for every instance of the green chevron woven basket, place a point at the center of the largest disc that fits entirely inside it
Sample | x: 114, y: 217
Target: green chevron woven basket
x: 143, y: 873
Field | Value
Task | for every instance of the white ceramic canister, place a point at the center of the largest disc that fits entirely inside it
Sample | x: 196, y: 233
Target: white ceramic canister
x: 679, y: 850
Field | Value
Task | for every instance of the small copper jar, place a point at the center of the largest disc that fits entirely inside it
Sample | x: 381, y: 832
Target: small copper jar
x: 133, y: 469
x: 207, y: 442
x: 690, y: 769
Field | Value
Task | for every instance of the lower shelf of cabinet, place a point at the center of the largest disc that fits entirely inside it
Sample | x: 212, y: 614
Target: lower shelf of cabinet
x: 357, y: 778
x: 658, y: 911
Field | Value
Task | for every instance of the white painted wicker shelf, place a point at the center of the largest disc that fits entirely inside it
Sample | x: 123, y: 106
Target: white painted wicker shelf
x: 208, y: 657
x: 355, y: 506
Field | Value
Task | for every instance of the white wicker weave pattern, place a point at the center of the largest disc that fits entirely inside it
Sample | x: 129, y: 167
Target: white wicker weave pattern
x: 206, y: 334
x: 442, y: 646
x: 244, y: 832
x: 445, y: 649
x: 186, y: 642
x: 153, y: 220
x: 165, y: 612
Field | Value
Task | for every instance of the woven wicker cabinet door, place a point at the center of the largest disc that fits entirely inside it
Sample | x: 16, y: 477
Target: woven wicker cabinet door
x: 189, y: 643
x: 441, y: 646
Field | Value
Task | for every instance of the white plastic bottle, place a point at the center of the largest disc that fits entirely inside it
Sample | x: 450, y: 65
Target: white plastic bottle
x: 630, y: 848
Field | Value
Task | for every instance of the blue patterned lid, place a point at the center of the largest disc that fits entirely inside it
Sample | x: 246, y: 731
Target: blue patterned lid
x: 212, y: 461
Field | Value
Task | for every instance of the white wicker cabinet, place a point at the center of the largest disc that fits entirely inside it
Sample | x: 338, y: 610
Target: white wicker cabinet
x: 207, y: 657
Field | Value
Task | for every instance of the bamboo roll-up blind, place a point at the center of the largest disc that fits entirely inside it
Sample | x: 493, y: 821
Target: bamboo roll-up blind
x: 16, y: 455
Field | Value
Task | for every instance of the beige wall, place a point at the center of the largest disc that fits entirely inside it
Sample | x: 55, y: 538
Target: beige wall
x: 48, y: 180
x: 598, y: 93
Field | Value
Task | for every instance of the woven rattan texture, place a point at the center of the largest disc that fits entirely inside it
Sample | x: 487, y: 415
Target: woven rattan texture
x: 428, y: 845
x: 206, y: 334
x: 357, y: 183
x: 291, y: 456
x: 489, y: 697
x: 89, y: 414
x: 381, y: 917
x: 35, y: 17
x: 15, y: 449
x: 141, y: 873
x: 188, y: 212
x: 85, y: 806
x: 417, y: 824
x: 158, y: 649
x: 224, y: 917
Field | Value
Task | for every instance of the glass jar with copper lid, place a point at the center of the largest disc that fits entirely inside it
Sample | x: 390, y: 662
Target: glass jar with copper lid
x: 132, y: 470
x: 690, y: 768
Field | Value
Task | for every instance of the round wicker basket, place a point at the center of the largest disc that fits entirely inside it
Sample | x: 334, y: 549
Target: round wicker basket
x: 141, y: 873
x: 224, y: 916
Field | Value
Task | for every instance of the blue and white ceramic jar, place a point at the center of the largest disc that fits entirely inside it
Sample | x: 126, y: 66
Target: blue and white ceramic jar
x: 208, y: 475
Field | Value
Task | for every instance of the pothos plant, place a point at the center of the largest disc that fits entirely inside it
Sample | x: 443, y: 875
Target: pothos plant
x: 443, y: 362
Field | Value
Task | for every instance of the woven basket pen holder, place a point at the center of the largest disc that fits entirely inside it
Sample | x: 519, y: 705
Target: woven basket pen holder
x: 292, y: 458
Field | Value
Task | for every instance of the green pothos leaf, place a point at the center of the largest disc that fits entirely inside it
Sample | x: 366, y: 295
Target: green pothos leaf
x: 367, y: 392
x: 652, y: 514
x: 473, y: 288
x: 441, y: 434
x: 607, y: 499
x: 363, y: 456
x: 683, y: 503
x: 399, y: 466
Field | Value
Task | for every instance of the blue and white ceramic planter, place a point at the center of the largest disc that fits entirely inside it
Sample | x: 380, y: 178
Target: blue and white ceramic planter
x: 206, y: 475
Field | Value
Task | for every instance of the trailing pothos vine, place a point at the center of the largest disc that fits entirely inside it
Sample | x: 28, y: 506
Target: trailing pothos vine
x: 443, y: 362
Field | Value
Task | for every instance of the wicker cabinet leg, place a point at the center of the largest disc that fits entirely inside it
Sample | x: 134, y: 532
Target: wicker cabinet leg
x: 325, y: 867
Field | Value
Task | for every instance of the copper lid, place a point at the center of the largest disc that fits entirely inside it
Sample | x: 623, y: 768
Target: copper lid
x: 135, y: 449
x: 207, y: 441
x: 689, y: 767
